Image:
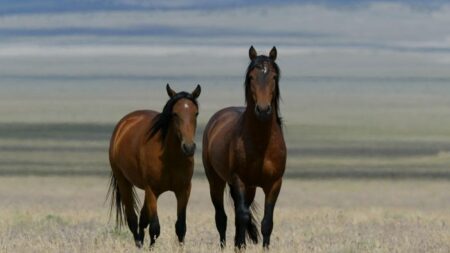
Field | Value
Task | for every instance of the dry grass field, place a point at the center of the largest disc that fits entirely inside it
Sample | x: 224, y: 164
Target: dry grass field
x: 367, y: 169
x: 68, y: 214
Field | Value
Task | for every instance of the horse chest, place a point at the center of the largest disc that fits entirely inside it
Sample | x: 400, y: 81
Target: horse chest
x: 178, y: 174
x: 257, y: 162
x: 250, y: 157
x: 168, y: 174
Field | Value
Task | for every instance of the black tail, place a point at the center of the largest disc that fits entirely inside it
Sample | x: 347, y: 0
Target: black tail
x: 116, y: 201
x: 252, y: 229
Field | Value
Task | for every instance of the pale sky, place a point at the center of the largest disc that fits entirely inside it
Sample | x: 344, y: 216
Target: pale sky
x: 138, y: 38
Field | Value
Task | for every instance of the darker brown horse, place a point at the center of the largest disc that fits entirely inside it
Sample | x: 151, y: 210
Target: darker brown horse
x: 244, y: 147
x: 154, y: 152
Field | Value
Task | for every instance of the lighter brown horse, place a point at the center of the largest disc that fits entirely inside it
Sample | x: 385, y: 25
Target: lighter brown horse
x: 154, y: 152
x: 244, y: 147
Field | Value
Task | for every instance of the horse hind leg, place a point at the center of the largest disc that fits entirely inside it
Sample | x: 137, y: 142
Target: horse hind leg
x: 216, y: 190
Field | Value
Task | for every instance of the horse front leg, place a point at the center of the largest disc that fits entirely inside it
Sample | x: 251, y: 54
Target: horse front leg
x: 242, y: 213
x: 271, y: 195
x: 152, y: 215
x: 182, y: 201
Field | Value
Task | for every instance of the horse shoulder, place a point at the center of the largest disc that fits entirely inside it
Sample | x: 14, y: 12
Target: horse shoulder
x: 277, y: 140
x: 275, y: 159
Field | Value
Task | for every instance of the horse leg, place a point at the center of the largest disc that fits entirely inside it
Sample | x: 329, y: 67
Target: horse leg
x: 182, y: 201
x: 250, y: 193
x: 216, y: 189
x: 252, y: 229
x: 271, y: 192
x: 126, y: 192
x: 242, y: 217
x: 151, y: 215
x: 143, y: 223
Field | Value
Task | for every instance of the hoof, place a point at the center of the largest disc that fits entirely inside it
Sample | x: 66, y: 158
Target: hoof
x: 239, y: 249
x: 138, y: 244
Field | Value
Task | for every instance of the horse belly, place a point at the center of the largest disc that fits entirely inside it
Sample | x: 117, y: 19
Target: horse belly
x: 181, y: 179
x: 220, y: 164
x: 134, y: 176
x: 219, y: 157
x: 219, y: 135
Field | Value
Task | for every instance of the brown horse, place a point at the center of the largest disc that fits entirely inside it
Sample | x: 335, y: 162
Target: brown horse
x: 154, y: 152
x: 244, y: 147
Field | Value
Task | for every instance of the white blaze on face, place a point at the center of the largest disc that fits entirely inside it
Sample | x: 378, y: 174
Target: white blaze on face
x: 186, y: 106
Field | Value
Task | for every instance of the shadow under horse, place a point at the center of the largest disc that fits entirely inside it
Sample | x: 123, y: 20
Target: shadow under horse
x: 244, y: 147
x: 154, y: 152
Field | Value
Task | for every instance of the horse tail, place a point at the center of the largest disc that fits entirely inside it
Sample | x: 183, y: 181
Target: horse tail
x: 116, y: 201
x: 252, y: 229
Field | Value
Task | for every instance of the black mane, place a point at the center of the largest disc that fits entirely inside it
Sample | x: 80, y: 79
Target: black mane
x: 258, y: 62
x: 162, y: 121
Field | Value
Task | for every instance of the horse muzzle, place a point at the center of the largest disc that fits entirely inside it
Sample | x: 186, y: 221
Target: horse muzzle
x: 263, y: 113
x: 188, y: 149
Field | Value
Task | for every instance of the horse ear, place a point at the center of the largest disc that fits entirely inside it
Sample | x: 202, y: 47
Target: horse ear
x: 252, y: 53
x: 170, y: 92
x: 273, y: 54
x: 197, y: 91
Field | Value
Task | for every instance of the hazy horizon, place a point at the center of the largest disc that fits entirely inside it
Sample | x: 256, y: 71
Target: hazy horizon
x: 145, y: 38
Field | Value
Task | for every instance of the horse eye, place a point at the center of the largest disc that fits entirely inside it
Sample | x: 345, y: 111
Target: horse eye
x: 196, y: 114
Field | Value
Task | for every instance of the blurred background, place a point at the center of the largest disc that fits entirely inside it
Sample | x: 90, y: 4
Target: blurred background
x: 365, y: 84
